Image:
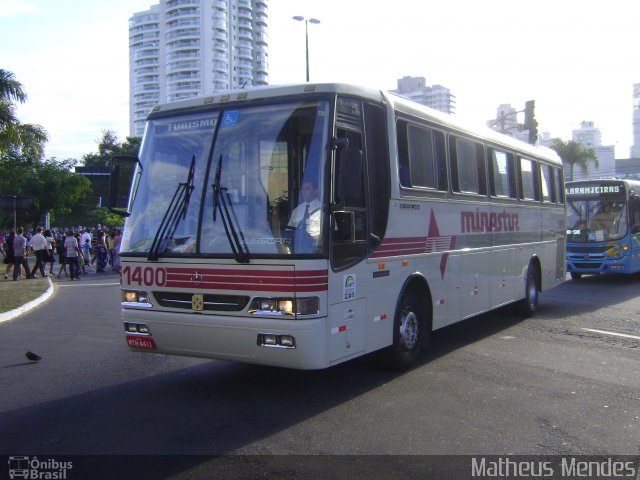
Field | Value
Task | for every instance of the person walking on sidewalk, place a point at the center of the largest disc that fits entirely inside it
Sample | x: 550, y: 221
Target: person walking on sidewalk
x: 20, y: 252
x: 51, y: 246
x: 9, y: 259
x: 73, y: 252
x: 39, y: 247
x: 62, y: 256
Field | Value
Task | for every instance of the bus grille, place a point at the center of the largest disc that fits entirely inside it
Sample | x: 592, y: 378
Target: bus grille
x: 591, y: 266
x: 591, y: 249
x: 220, y: 303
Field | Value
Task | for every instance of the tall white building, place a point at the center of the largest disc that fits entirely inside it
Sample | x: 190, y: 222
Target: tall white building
x: 436, y: 96
x: 506, y: 122
x: 589, y: 136
x: 187, y: 48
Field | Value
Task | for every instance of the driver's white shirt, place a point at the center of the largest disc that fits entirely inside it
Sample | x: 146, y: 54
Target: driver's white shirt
x: 313, y: 223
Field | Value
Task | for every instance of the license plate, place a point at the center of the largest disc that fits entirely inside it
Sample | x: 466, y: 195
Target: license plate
x: 141, y: 342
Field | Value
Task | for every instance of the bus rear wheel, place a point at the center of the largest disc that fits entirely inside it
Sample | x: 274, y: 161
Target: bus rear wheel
x: 410, y: 331
x: 529, y: 304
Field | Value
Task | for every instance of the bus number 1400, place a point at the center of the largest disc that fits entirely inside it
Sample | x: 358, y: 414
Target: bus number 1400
x: 147, y: 276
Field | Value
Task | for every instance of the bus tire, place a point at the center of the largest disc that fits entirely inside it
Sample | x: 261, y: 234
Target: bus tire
x: 575, y: 276
x: 529, y: 304
x: 410, y: 331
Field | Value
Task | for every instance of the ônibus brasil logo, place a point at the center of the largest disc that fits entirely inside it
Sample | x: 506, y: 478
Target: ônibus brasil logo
x: 36, y: 469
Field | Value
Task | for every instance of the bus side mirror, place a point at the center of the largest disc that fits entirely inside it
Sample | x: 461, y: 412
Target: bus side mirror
x: 123, y: 168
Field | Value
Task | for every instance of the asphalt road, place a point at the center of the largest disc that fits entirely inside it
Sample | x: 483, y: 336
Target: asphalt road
x: 564, y: 382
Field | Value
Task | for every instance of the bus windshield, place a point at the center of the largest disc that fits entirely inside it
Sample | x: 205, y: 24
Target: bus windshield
x: 239, y: 182
x: 596, y: 220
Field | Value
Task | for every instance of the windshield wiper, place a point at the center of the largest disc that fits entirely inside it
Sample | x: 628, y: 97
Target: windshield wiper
x: 222, y: 202
x: 176, y: 211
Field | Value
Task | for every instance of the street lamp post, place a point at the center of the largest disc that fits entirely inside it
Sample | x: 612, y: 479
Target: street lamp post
x: 306, y: 35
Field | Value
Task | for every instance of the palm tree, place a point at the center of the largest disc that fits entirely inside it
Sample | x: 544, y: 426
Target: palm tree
x: 573, y: 153
x: 10, y: 88
x: 15, y: 136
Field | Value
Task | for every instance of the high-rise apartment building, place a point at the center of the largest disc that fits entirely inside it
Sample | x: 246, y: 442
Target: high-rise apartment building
x: 589, y: 136
x: 187, y: 48
x: 436, y: 96
x: 506, y: 122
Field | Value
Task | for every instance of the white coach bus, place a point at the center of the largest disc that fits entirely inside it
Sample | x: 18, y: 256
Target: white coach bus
x: 302, y: 226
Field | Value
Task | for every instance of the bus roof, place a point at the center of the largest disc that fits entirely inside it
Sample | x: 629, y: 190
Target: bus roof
x: 398, y: 102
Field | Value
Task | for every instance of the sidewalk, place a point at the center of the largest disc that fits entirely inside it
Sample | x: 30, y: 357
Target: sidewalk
x: 52, y: 280
x: 11, y: 314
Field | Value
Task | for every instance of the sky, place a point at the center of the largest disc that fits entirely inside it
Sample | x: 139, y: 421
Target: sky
x: 578, y: 59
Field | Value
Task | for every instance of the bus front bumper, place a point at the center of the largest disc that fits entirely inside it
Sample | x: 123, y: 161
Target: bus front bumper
x: 279, y: 342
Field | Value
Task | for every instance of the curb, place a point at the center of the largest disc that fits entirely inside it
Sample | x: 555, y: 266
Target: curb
x: 11, y: 314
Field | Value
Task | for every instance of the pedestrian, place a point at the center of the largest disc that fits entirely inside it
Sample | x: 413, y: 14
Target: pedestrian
x: 9, y: 258
x: 101, y: 253
x: 2, y: 249
x: 39, y: 247
x: 80, y: 256
x: 84, y: 236
x: 86, y: 254
x: 117, y: 240
x: 51, y: 246
x: 20, y: 253
x: 72, y: 251
x: 62, y: 256
x: 110, y: 245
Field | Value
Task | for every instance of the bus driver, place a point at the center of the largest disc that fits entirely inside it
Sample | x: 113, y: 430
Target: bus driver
x: 306, y: 216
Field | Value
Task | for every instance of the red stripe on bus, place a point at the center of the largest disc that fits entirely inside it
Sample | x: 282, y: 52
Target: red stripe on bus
x: 387, y: 241
x: 320, y: 287
x: 263, y: 273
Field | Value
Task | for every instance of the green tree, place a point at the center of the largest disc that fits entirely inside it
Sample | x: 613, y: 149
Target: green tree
x: 17, y: 137
x: 50, y: 184
x: 108, y: 146
x: 573, y: 153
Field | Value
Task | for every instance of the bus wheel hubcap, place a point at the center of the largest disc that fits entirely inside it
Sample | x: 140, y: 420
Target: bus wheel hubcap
x: 408, y: 330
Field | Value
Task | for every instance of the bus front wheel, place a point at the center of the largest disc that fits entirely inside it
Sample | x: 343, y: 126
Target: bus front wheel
x: 576, y: 275
x: 410, y: 331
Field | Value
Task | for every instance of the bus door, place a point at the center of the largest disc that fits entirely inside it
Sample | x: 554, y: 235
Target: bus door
x: 634, y: 225
x: 348, y: 274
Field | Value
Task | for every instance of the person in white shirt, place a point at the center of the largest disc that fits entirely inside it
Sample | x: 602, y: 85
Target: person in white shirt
x: 86, y: 235
x: 307, y: 215
x: 72, y: 253
x: 39, y: 247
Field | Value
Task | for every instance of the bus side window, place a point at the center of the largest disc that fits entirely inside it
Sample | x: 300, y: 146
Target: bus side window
x: 634, y: 214
x: 547, y: 183
x: 560, y: 185
x: 377, y: 156
x: 403, y: 154
x: 421, y: 158
x: 499, y: 173
x: 527, y: 180
x: 468, y: 171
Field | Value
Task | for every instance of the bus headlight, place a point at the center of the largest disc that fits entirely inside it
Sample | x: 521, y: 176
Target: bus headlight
x: 284, y: 306
x: 136, y: 298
